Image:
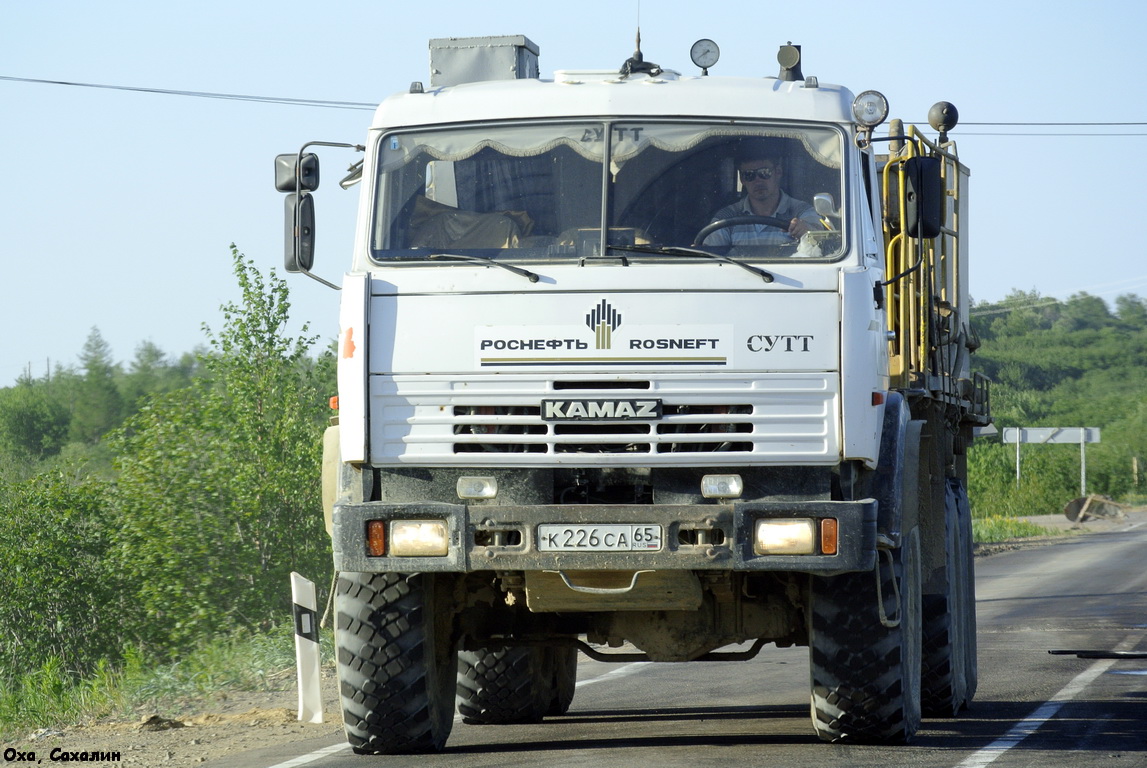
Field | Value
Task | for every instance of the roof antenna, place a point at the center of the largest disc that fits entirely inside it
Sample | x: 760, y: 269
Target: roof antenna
x: 636, y: 64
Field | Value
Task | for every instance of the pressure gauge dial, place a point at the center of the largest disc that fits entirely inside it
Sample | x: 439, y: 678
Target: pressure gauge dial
x: 704, y: 53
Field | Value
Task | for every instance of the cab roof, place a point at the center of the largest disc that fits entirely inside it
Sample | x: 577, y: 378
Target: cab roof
x: 597, y: 94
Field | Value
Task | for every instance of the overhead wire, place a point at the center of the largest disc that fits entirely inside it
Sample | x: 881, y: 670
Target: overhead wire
x: 363, y: 105
x: 994, y: 308
x: 203, y: 94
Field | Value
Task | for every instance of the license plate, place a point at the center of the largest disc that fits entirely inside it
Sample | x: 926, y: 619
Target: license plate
x: 599, y: 538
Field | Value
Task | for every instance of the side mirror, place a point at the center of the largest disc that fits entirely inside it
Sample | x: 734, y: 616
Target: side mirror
x: 298, y: 175
x: 293, y: 174
x: 300, y: 232
x: 923, y: 197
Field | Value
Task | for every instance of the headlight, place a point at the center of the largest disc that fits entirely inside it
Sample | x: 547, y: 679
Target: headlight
x: 785, y: 537
x: 419, y: 538
x: 870, y: 109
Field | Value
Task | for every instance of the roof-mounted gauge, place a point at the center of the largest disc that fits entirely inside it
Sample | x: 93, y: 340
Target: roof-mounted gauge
x: 704, y: 54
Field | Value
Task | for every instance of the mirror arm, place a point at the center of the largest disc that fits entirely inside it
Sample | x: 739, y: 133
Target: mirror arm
x: 298, y: 195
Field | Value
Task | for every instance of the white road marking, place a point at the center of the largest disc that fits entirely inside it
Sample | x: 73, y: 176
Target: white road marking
x: 316, y: 755
x: 1044, y: 712
x: 624, y: 671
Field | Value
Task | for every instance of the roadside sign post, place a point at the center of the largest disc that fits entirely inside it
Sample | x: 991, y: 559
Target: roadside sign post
x: 1053, y: 435
x: 307, y: 650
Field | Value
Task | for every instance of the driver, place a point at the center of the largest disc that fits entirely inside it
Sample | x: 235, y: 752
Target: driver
x: 761, y: 170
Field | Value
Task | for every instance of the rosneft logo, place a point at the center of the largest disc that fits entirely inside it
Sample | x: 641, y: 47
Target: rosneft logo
x: 617, y: 341
x: 603, y: 320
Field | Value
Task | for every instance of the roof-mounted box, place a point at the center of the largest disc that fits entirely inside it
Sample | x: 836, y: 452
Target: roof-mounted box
x: 455, y: 60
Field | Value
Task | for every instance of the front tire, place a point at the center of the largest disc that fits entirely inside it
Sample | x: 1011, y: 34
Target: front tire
x: 865, y: 673
x: 396, y: 664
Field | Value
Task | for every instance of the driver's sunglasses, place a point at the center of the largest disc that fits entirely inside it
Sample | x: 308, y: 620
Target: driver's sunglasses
x: 758, y: 173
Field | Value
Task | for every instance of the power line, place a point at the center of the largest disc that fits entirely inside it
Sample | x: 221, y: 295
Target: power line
x: 1037, y: 135
x: 1025, y: 134
x: 203, y: 94
x: 1056, y: 125
x: 362, y: 105
x: 996, y: 310
x: 1048, y: 135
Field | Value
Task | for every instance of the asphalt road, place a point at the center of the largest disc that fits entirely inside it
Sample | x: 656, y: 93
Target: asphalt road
x: 1032, y: 709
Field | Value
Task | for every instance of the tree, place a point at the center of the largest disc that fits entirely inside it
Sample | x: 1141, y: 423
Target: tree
x: 219, y: 483
x: 98, y: 406
x: 1084, y: 312
x: 1132, y: 311
x: 151, y: 373
x: 33, y: 421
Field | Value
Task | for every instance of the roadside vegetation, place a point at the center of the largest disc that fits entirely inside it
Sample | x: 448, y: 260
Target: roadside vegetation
x: 151, y: 515
x: 996, y: 528
x: 151, y: 512
x: 1061, y: 364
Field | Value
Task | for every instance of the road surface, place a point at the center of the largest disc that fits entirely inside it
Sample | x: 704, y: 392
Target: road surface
x: 1032, y: 709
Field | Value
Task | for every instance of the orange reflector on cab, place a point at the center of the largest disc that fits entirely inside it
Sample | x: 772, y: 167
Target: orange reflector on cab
x: 334, y: 403
x: 878, y: 398
x: 376, y: 538
x: 828, y: 532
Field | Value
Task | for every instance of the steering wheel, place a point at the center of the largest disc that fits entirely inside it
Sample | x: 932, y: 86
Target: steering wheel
x: 736, y: 221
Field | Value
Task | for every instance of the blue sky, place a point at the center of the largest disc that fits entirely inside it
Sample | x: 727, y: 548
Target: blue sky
x: 118, y: 208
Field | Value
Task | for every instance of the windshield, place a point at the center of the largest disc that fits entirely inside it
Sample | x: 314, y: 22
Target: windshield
x: 535, y: 191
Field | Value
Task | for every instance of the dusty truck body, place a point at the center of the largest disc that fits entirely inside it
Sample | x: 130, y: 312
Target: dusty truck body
x: 570, y: 419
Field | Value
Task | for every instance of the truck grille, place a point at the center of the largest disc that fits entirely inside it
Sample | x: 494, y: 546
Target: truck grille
x: 501, y: 421
x: 685, y: 428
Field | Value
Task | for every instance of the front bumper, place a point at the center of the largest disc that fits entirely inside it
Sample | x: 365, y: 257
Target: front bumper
x: 695, y: 537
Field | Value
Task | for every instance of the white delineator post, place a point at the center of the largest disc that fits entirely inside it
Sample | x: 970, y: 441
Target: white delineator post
x: 307, y: 649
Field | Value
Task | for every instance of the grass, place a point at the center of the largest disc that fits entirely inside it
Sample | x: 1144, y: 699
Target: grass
x: 54, y: 697
x: 995, y: 528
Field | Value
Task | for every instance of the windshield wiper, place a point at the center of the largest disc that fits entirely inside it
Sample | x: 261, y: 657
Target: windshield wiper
x: 676, y: 250
x: 533, y: 278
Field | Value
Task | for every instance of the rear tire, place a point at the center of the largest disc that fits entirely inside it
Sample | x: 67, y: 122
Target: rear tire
x: 866, y: 675
x: 497, y: 686
x: 968, y: 590
x: 395, y: 662
x: 943, y: 688
x: 565, y: 679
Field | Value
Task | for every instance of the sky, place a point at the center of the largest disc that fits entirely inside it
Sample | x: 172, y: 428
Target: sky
x: 119, y: 207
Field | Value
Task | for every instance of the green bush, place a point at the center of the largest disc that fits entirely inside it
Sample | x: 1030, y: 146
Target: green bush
x: 62, y: 598
x: 218, y: 491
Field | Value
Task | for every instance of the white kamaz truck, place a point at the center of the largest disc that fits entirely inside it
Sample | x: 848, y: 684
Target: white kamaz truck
x: 646, y: 365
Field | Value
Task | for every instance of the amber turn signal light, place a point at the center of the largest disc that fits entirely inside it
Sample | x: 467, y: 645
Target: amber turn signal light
x: 376, y: 538
x: 828, y: 534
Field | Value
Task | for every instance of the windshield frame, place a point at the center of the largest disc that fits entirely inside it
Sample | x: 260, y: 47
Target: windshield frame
x: 382, y: 219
